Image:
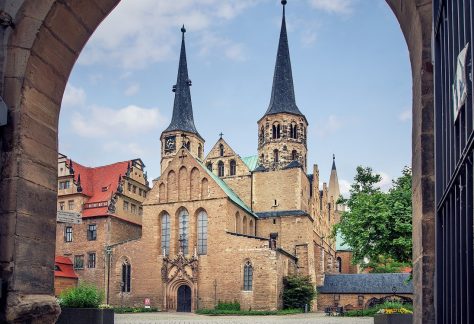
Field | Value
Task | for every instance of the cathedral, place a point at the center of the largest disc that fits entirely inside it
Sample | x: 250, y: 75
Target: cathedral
x: 221, y: 227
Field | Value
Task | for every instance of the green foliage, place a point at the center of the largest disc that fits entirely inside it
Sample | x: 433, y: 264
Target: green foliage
x: 82, y: 296
x: 386, y: 265
x: 216, y: 312
x: 378, y: 224
x: 121, y: 310
x: 231, y: 306
x: 298, y: 291
x: 373, y: 310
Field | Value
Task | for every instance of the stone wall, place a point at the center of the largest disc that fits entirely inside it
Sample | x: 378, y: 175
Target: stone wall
x: 346, y: 262
x: 349, y: 300
x: 61, y: 284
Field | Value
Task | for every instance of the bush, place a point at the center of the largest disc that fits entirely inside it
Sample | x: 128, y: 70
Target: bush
x: 373, y: 310
x: 121, y: 310
x: 231, y: 306
x: 215, y: 312
x: 82, y: 296
x: 298, y: 291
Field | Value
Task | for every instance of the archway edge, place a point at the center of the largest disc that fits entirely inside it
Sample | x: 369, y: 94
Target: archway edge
x: 47, y: 40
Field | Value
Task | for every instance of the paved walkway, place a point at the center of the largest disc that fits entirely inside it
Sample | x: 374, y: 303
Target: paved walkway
x: 187, y: 318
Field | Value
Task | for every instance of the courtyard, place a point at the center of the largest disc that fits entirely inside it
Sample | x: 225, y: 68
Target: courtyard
x: 185, y: 318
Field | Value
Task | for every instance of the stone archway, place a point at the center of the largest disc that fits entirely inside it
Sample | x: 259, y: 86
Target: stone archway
x: 37, y: 58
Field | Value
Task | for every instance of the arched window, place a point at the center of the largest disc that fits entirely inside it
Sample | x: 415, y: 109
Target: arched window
x: 126, y: 276
x: 248, y: 276
x: 237, y: 222
x: 294, y: 155
x: 209, y: 166
x: 276, y: 131
x: 188, y: 145
x: 233, y: 167
x: 200, y: 151
x: 339, y: 264
x: 165, y: 233
x: 184, y: 230
x: 220, y: 168
x: 202, y: 233
x: 275, y: 155
x: 251, y: 232
x: 244, y: 225
x: 294, y: 131
x: 221, y: 150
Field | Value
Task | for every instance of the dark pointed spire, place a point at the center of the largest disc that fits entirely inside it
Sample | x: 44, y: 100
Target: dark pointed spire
x: 333, y: 162
x: 283, y: 92
x: 182, y: 119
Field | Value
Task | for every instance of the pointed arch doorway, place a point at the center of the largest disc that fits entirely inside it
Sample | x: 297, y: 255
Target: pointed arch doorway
x: 184, y: 299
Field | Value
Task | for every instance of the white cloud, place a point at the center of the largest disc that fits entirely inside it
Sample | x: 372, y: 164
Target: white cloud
x: 139, y: 33
x: 405, y: 115
x: 213, y: 43
x: 386, y: 182
x: 345, y: 187
x: 333, y: 6
x: 73, y: 96
x: 132, y: 89
x: 124, y: 122
x: 132, y: 148
x: 329, y: 126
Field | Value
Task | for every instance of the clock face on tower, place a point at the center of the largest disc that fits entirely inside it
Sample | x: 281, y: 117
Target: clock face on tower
x: 170, y: 144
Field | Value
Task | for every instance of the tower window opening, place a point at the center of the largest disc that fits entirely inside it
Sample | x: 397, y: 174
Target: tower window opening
x: 262, y: 135
x: 200, y: 151
x: 294, y: 155
x: 293, y: 131
x: 276, y: 131
x: 275, y: 155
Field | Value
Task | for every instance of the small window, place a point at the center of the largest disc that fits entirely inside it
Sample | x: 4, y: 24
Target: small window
x: 92, y: 232
x: 125, y: 205
x: 70, y: 204
x: 276, y: 131
x: 104, y: 189
x: 79, y: 262
x: 134, y: 189
x: 61, y: 205
x: 209, y: 166
x: 221, y: 150
x: 133, y: 208
x: 339, y: 264
x: 68, y: 234
x: 140, y: 211
x: 294, y: 155
x: 220, y: 169
x: 233, y: 167
x: 91, y: 260
x: 275, y: 156
x: 294, y: 131
x: 126, y: 276
x: 200, y: 151
x: 140, y: 191
x: 129, y: 187
x: 262, y: 135
x: 248, y: 276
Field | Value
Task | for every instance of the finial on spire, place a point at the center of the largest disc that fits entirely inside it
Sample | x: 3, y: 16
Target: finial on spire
x: 183, y: 30
x: 333, y: 162
x: 283, y: 2
x: 333, y: 156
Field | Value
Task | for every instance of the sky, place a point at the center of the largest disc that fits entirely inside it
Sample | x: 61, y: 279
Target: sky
x: 350, y: 66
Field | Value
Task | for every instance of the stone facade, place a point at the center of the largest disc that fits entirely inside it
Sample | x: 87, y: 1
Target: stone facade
x: 113, y: 211
x: 350, y: 301
x: 33, y: 78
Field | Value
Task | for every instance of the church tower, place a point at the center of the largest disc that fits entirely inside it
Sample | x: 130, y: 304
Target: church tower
x: 181, y: 131
x: 282, y: 130
x: 334, y: 190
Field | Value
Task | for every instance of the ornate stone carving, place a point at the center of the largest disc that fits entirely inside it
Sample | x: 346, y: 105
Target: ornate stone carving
x: 180, y: 267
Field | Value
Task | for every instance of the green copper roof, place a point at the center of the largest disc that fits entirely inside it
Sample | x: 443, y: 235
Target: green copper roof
x: 340, y: 244
x: 232, y: 195
x: 251, y: 162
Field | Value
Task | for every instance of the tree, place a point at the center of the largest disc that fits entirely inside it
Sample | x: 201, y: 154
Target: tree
x: 378, y: 224
x: 298, y: 291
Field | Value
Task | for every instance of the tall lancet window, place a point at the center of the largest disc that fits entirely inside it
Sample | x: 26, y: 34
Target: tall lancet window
x: 220, y: 169
x: 165, y: 233
x: 221, y: 150
x: 233, y: 167
x: 202, y: 233
x: 184, y: 230
x: 248, y: 276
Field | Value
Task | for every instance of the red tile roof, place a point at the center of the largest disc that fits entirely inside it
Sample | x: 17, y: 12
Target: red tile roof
x: 94, y: 180
x: 64, y: 264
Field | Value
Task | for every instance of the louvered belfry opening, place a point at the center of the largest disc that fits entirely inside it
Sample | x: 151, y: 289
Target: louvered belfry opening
x: 453, y: 56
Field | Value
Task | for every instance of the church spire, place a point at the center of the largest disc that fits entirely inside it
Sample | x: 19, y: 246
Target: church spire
x: 182, y: 119
x: 283, y: 93
x: 334, y: 189
x: 333, y: 162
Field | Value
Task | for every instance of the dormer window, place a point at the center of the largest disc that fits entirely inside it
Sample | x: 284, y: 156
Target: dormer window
x: 104, y: 189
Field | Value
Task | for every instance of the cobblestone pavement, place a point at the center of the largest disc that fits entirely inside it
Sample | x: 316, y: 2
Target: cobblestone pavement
x: 180, y: 318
